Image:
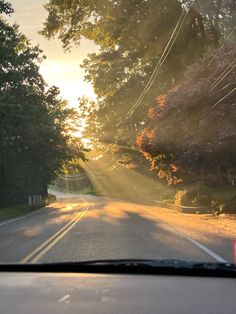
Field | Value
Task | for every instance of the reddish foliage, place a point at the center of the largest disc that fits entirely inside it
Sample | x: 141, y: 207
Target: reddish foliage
x: 192, y: 130
x: 145, y: 142
x: 161, y: 100
x: 152, y: 113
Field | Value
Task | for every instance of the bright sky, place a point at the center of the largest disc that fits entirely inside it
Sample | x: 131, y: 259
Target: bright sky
x: 59, y: 69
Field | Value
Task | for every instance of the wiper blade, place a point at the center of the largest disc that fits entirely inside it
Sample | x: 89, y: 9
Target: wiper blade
x: 138, y: 263
x: 164, y: 264
x: 130, y: 266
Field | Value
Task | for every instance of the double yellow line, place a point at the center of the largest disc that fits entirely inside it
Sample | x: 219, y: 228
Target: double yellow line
x: 39, y: 252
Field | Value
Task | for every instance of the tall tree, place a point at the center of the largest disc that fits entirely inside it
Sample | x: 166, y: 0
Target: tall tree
x: 133, y: 37
x: 35, y: 126
x: 192, y: 131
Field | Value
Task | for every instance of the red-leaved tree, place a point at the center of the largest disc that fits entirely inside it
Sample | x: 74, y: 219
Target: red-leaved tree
x: 192, y: 130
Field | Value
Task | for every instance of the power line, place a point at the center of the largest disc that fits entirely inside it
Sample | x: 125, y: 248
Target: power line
x: 162, y: 59
x: 223, y: 98
x: 222, y: 46
x: 158, y: 64
x: 223, y: 75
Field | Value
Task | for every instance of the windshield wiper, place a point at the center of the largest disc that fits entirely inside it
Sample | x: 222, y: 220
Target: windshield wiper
x: 130, y: 266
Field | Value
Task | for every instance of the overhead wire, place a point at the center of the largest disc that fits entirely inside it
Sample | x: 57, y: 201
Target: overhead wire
x: 156, y: 67
x: 223, y: 98
x: 162, y: 59
x: 223, y: 75
x: 221, y: 47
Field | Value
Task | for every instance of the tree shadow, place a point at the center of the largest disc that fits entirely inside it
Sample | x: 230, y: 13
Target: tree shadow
x: 113, y: 231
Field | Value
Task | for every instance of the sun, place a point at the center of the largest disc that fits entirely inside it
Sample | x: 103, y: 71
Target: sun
x: 72, y: 86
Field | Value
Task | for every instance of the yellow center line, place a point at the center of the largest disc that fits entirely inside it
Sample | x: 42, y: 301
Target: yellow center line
x: 49, y: 243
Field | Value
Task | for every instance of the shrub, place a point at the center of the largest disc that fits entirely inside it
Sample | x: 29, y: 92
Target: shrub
x: 193, y: 196
x: 217, y: 207
x: 230, y: 206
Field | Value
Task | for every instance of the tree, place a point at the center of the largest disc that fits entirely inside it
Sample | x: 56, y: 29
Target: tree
x: 192, y: 131
x: 88, y: 121
x: 6, y: 7
x: 36, y: 139
x: 132, y: 36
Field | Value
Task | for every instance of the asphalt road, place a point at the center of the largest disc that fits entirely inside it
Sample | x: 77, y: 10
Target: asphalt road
x: 82, y: 228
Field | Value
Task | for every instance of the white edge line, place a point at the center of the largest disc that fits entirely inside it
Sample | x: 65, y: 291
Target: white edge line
x: 199, y: 245
x: 21, y: 217
x: 25, y: 216
x: 203, y: 248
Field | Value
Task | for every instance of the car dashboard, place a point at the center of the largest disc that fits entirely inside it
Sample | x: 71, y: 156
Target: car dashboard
x: 22, y: 293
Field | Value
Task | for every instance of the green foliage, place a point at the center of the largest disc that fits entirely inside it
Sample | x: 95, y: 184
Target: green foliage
x: 35, y: 125
x: 224, y: 200
x: 132, y: 36
x: 5, y: 7
x: 23, y: 209
x: 217, y: 200
x: 189, y: 134
x: 14, y: 211
x: 88, y: 120
x: 217, y: 207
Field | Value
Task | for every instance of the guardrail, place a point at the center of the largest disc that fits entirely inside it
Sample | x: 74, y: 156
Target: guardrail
x: 187, y: 209
x: 36, y: 200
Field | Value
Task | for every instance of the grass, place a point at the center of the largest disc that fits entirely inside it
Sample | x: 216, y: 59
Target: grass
x: 20, y: 210
x: 15, y: 211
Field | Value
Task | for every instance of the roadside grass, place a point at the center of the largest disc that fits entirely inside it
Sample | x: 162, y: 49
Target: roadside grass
x: 14, y: 211
x: 20, y: 210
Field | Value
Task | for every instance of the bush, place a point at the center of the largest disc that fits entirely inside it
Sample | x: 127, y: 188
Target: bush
x: 220, y: 207
x: 193, y: 196
x: 217, y: 207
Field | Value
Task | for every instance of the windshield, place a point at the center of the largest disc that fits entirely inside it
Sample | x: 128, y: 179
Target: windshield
x: 117, y: 130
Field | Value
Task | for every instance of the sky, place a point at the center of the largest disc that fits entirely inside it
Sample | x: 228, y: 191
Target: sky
x: 59, y: 69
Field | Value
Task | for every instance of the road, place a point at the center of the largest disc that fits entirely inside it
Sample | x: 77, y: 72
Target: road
x: 82, y: 227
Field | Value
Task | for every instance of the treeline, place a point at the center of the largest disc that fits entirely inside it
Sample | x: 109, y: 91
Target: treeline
x: 132, y: 37
x: 188, y: 135
x: 35, y: 135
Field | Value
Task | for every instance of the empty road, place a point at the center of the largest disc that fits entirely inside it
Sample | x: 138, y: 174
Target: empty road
x: 82, y: 227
